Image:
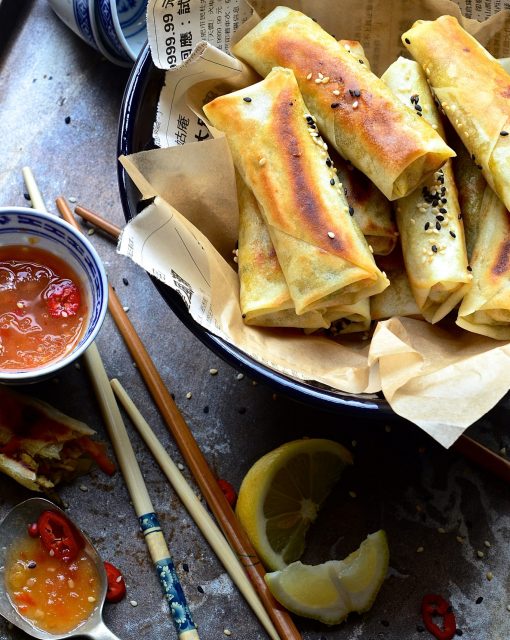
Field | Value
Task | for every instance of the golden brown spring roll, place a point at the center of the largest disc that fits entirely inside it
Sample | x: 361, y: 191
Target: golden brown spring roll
x: 349, y: 318
x: 474, y: 92
x: 355, y: 111
x: 279, y: 154
x: 486, y: 307
x: 264, y: 295
x: 356, y: 50
x: 397, y: 299
x: 370, y: 208
x: 471, y: 186
x: 429, y: 220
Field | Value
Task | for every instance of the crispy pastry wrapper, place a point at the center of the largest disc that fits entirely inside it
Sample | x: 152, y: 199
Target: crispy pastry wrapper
x: 418, y: 367
x: 429, y: 219
x: 355, y: 111
x: 397, y: 299
x: 474, y: 91
x: 278, y: 152
x: 486, y: 307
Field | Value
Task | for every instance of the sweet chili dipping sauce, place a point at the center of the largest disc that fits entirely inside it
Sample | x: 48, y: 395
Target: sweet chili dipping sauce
x: 42, y: 307
x: 54, y: 595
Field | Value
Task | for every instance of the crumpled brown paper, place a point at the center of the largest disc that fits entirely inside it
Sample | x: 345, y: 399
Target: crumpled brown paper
x: 440, y: 378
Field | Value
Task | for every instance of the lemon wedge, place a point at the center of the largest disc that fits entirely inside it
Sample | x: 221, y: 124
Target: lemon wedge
x: 330, y: 591
x: 282, y: 493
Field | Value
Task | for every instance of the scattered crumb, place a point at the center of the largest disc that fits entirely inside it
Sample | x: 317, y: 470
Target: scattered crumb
x: 126, y: 309
x: 180, y: 466
x: 91, y: 231
x: 420, y: 550
x: 213, y: 372
x: 240, y: 376
x: 489, y: 575
x: 72, y: 198
x: 227, y: 632
x: 487, y: 544
x: 188, y: 395
x: 480, y: 554
x: 133, y: 603
x: 83, y: 487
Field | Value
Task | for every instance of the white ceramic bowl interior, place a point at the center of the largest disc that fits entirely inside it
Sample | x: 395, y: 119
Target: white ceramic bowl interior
x: 23, y: 226
x: 129, y: 18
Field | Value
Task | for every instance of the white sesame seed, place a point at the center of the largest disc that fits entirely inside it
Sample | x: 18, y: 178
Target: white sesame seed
x: 336, y: 92
x: 355, y: 104
x: 213, y: 372
x: 133, y: 603
x: 118, y: 579
x: 347, y: 48
x: 320, y: 75
x: 371, y: 248
x: 19, y: 305
x: 325, y: 80
x: 72, y: 199
x: 508, y: 607
x: 91, y: 599
x: 502, y: 451
x: 180, y: 466
x: 235, y: 259
x: 489, y: 575
x: 331, y: 234
x: 420, y: 550
x: 441, y: 530
x: 188, y: 395
x: 318, y: 80
x: 126, y: 309
x: 227, y: 632
x: 487, y: 544
x: 83, y: 487
x: 262, y: 162
x: 91, y: 231
x: 480, y: 554
x: 240, y: 376
x: 309, y: 76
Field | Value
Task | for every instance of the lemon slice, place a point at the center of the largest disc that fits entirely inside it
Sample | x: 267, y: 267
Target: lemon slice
x: 281, y: 494
x: 330, y: 591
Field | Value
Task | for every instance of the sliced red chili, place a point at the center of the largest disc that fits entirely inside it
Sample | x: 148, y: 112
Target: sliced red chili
x: 63, y: 300
x: 116, y: 586
x: 59, y: 536
x: 228, y: 491
x: 97, y: 451
x: 435, y: 606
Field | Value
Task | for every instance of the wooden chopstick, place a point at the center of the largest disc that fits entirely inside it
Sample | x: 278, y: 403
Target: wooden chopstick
x: 200, y: 469
x: 471, y: 449
x: 195, y: 508
x: 149, y: 524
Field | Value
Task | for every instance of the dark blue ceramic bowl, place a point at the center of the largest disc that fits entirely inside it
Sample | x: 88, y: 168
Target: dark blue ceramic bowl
x: 135, y: 134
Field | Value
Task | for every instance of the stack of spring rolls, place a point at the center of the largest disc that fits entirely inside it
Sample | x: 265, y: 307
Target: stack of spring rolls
x: 335, y: 165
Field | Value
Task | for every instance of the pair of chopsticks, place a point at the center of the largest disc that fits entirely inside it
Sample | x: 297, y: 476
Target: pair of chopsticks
x: 471, y: 449
x: 148, y: 520
x: 241, y: 545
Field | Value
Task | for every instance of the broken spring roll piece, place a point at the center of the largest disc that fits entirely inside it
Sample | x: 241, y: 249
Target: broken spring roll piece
x: 429, y: 220
x: 279, y: 154
x: 355, y: 111
x: 349, y: 318
x: 474, y: 91
x: 486, y: 307
x: 264, y: 295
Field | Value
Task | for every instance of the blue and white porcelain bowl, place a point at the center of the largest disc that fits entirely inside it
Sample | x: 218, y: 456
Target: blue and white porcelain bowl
x: 29, y: 227
x: 129, y: 17
x: 75, y: 14
x: 106, y: 16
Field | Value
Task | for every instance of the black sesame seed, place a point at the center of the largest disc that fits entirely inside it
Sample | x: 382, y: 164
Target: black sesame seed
x: 332, y: 181
x: 418, y: 113
x: 328, y: 162
x: 449, y: 609
x: 26, y: 196
x: 479, y: 600
x: 351, y: 211
x: 335, y: 105
x: 418, y: 107
x: 442, y: 210
x: 357, y: 93
x: 32, y: 564
x: 185, y: 566
x: 469, y: 268
x: 427, y: 225
x: 407, y: 41
x: 479, y: 166
x: 444, y: 200
x: 434, y: 248
x: 345, y: 191
x: 452, y: 234
x: 206, y: 408
x: 458, y: 632
x: 473, y: 158
x: 125, y: 281
x: 200, y: 589
x: 242, y: 410
x: 247, y: 99
x: 438, y: 226
x: 361, y: 61
x: 173, y: 396
x: 243, y: 316
x: 67, y: 119
x: 419, y: 628
x: 503, y: 133
x: 440, y: 218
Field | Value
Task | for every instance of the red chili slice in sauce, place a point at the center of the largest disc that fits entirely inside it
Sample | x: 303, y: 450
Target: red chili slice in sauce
x: 116, y: 586
x: 63, y: 300
x: 434, y: 606
x: 59, y: 537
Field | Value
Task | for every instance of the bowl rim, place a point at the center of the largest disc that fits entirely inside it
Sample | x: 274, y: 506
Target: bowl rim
x: 341, y: 402
x: 48, y: 370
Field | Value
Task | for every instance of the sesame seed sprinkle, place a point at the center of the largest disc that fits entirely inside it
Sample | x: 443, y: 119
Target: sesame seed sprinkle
x: 503, y: 133
x: 331, y: 234
x: 262, y: 162
x: 355, y: 104
x: 247, y: 99
x: 335, y: 105
x: 213, y: 372
x: 309, y: 76
x: 336, y: 92
x: 407, y: 41
x: 452, y: 234
x: 434, y: 248
x: 332, y: 181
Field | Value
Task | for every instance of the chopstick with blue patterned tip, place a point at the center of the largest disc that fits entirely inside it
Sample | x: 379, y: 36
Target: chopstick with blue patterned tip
x: 181, y: 615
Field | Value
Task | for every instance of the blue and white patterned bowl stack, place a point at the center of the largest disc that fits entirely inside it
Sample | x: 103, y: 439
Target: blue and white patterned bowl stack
x: 23, y: 226
x: 116, y: 28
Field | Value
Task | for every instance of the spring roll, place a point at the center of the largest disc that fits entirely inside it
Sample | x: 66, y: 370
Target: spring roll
x: 355, y: 48
x: 398, y: 298
x: 264, y: 295
x: 474, y: 91
x: 355, y: 111
x: 279, y: 154
x: 349, y: 318
x: 486, y: 307
x: 429, y: 220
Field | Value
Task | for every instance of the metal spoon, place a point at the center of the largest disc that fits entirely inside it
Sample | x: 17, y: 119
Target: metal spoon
x: 12, y: 528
